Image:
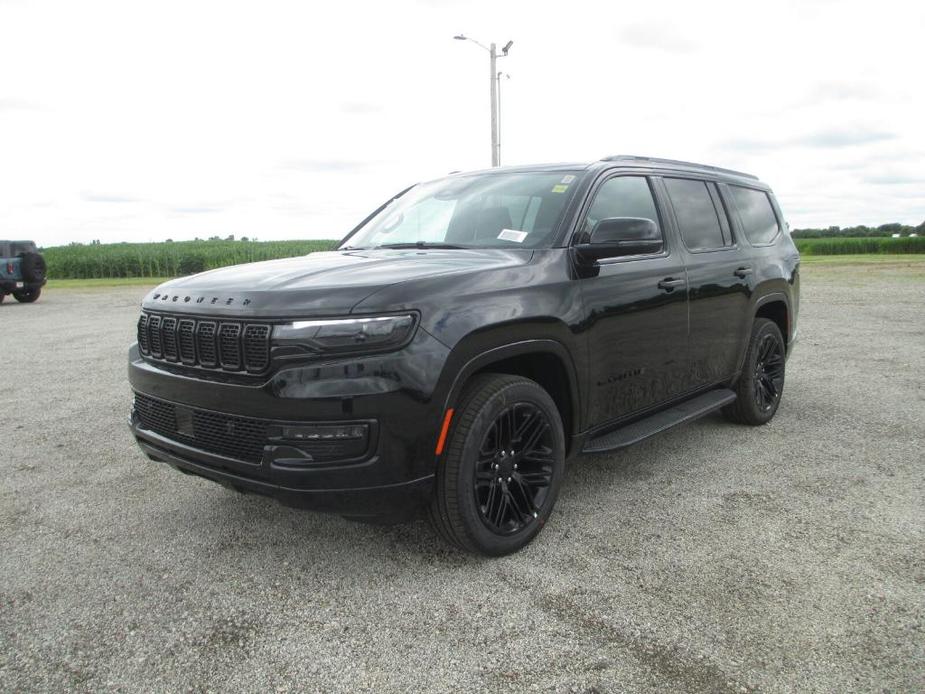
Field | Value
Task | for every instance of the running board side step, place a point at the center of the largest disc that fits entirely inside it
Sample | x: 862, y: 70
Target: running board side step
x: 686, y: 411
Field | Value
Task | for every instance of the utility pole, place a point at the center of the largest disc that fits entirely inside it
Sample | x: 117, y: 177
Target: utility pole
x: 494, y: 76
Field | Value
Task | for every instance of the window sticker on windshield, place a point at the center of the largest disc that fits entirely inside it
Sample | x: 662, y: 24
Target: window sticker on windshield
x: 560, y: 188
x: 512, y: 235
x: 567, y: 179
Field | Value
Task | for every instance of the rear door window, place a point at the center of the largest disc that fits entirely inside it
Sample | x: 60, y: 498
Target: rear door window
x: 757, y: 215
x: 698, y: 218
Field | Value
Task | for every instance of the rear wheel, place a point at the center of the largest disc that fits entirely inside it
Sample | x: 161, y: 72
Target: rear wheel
x: 500, y: 477
x: 27, y: 295
x: 759, y: 389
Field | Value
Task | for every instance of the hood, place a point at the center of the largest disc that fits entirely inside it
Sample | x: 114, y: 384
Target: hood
x: 326, y: 283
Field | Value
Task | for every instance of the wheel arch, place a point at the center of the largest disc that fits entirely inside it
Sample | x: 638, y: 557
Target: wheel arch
x: 775, y: 307
x: 545, y: 361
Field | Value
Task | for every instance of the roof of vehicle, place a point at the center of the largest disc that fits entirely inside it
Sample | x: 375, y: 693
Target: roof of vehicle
x: 658, y: 163
x: 629, y: 160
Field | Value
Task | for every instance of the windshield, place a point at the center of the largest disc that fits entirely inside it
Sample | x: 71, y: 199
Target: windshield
x: 492, y: 210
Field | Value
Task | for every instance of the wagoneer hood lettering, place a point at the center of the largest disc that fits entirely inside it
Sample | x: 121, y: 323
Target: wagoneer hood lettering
x: 319, y: 284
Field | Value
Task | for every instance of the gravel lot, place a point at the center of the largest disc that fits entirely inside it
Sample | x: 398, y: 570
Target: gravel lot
x: 713, y: 558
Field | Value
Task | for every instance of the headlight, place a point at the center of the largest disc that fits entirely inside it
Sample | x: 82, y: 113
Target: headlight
x: 347, y: 334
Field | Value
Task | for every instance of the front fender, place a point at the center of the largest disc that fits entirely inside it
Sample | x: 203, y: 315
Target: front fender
x: 483, y: 348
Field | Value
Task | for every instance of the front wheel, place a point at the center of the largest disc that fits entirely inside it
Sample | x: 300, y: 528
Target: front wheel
x: 504, y: 462
x: 759, y: 389
x: 27, y: 295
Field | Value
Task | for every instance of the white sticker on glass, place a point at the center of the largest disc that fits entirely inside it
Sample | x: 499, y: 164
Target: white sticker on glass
x: 512, y: 235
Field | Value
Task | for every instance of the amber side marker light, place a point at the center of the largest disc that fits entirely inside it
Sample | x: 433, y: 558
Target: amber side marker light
x: 443, y: 430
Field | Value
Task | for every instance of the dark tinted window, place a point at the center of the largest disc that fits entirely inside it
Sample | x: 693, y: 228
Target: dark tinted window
x: 697, y: 216
x: 622, y: 196
x: 756, y: 213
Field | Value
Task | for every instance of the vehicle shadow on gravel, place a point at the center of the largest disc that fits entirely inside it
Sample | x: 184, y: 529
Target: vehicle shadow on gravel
x: 247, y: 525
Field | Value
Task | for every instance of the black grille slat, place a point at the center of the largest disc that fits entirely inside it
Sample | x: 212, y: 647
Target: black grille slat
x: 205, y: 343
x: 256, y: 347
x: 229, y: 346
x: 237, y: 347
x: 143, y: 333
x: 169, y: 338
x: 186, y: 341
x: 241, y: 438
x: 154, y: 336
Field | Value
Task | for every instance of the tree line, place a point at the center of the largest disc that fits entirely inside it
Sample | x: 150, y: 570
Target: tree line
x: 860, y: 231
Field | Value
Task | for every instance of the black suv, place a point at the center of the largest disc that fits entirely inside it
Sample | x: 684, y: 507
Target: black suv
x: 469, y: 337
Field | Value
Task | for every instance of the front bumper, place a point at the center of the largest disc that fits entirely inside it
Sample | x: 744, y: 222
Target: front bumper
x: 296, y: 488
x: 400, y: 499
x: 393, y: 393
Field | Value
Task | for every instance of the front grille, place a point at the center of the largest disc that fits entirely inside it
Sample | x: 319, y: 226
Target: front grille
x: 241, y: 438
x: 206, y: 343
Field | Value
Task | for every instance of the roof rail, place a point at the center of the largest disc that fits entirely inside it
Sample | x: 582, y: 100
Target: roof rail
x: 676, y: 162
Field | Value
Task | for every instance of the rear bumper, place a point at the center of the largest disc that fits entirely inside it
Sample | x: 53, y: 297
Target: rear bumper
x: 9, y: 285
x: 302, y: 489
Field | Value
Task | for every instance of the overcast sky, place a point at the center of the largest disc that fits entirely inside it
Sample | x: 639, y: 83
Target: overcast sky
x: 135, y: 121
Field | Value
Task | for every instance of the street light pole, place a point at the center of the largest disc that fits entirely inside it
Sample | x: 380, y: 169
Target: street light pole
x: 495, y: 145
x: 494, y: 77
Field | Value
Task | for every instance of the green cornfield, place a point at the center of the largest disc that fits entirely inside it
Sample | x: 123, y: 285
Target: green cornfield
x: 168, y: 259
x: 852, y: 246
x: 172, y: 259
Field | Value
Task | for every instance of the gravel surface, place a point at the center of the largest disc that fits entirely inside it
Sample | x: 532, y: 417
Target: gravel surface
x: 713, y: 558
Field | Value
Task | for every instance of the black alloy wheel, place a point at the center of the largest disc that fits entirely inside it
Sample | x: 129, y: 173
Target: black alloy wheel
x: 761, y: 385
x: 769, y: 372
x: 514, y: 469
x: 500, y: 473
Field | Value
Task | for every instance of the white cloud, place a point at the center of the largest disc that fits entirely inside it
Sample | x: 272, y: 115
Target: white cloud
x: 127, y: 120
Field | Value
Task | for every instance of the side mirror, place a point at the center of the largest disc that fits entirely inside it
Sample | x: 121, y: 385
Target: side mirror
x: 619, y: 236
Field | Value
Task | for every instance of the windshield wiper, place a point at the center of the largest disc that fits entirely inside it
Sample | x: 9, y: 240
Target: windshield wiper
x: 419, y: 244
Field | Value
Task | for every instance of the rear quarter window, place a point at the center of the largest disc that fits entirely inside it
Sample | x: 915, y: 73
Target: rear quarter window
x: 757, y: 215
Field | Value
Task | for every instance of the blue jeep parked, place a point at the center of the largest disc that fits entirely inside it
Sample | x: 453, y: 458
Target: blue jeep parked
x: 22, y: 271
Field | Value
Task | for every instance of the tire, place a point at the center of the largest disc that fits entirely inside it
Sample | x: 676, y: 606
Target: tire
x: 487, y: 501
x: 27, y: 295
x: 761, y: 385
x: 33, y: 267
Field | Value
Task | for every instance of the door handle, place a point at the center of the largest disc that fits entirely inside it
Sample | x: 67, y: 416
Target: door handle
x: 669, y: 283
x: 743, y: 272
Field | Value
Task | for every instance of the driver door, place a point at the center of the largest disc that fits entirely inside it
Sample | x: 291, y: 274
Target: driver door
x: 635, y: 310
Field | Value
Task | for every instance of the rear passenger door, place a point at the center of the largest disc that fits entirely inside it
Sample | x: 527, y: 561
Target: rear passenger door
x: 720, y: 278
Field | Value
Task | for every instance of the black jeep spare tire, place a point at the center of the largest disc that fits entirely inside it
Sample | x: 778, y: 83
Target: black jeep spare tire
x: 33, y: 267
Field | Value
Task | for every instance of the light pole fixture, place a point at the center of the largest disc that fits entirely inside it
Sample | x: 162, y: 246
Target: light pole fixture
x: 494, y: 76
